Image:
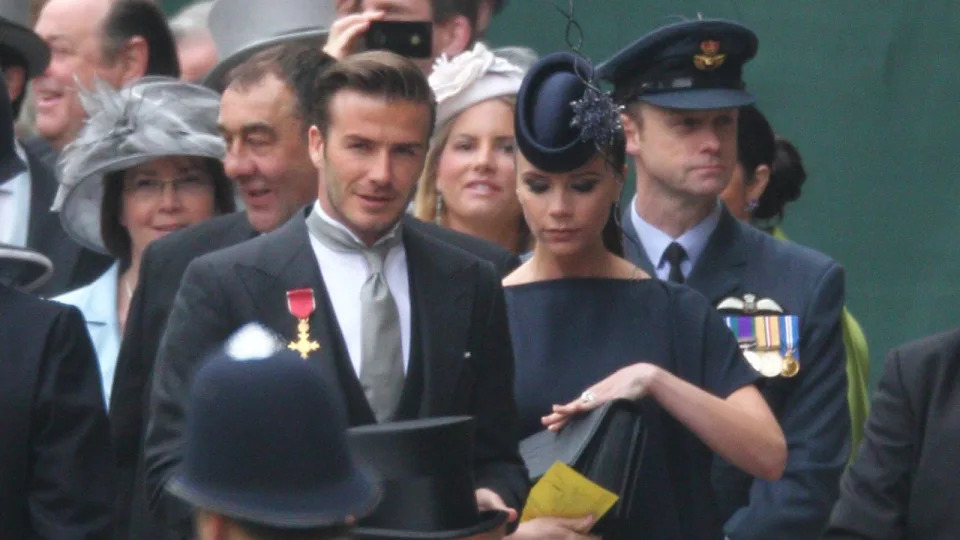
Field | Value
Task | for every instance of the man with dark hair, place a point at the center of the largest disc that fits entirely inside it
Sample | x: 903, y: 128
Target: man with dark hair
x: 262, y: 122
x: 136, y: 35
x: 402, y: 324
x: 454, y: 24
x: 25, y: 199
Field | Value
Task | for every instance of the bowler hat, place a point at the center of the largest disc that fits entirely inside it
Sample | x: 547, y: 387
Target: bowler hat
x: 549, y: 132
x: 16, y: 34
x: 241, y: 28
x: 23, y: 268
x: 426, y: 470
x: 265, y: 443
x: 688, y: 65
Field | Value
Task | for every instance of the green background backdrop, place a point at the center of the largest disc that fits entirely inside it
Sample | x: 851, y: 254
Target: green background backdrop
x: 869, y: 90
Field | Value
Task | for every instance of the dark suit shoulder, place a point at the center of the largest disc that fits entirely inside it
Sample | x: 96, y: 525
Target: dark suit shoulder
x: 502, y: 260
x: 31, y: 307
x: 206, y: 236
x: 931, y: 360
x: 793, y: 258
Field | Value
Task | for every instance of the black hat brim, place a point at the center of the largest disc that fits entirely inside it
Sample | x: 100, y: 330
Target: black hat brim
x: 354, y: 497
x: 26, y: 42
x: 26, y: 268
x: 489, y: 520
x: 701, y: 99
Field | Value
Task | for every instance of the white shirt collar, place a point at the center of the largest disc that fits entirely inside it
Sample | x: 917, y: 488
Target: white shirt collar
x: 655, y: 241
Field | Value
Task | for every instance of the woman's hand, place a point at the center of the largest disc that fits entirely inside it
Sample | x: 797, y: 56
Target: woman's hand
x: 553, y: 528
x: 345, y: 32
x: 632, y: 382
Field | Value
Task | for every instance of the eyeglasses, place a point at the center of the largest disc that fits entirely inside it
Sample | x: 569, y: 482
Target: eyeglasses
x: 154, y: 188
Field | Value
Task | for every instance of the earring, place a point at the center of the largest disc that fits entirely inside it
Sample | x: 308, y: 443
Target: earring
x: 438, y: 209
x: 752, y: 205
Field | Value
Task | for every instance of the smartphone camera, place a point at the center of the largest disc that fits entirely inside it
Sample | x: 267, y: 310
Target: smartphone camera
x: 412, y: 39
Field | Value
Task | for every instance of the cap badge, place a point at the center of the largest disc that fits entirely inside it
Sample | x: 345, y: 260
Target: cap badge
x: 710, y: 59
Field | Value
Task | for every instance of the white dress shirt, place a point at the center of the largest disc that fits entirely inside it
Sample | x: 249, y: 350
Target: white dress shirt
x: 655, y: 241
x: 344, y: 273
x: 15, y: 206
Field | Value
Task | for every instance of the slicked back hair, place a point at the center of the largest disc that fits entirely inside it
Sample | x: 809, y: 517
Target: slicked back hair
x: 378, y: 74
x: 129, y: 18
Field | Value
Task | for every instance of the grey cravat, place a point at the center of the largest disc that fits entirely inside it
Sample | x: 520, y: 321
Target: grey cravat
x: 381, y: 351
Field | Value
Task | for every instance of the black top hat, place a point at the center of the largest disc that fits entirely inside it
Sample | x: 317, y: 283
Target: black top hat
x: 16, y: 34
x: 265, y: 444
x: 689, y: 65
x: 22, y: 268
x: 559, y: 114
x: 426, y: 469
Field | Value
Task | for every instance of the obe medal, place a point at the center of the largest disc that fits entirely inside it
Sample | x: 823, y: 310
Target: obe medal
x: 302, y: 304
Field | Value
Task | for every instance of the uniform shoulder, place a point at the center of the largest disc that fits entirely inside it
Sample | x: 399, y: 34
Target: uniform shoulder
x: 787, y: 251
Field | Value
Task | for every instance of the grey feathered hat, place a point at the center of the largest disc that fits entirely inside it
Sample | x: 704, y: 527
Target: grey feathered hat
x: 153, y: 117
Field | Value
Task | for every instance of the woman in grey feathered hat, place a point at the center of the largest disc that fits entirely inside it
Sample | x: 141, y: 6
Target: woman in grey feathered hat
x: 146, y: 163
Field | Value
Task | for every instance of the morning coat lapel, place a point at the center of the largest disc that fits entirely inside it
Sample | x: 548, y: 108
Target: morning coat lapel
x: 632, y: 246
x: 442, y: 307
x: 287, y: 262
x: 719, y: 270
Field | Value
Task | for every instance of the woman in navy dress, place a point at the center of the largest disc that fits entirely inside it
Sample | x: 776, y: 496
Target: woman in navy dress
x: 588, y: 326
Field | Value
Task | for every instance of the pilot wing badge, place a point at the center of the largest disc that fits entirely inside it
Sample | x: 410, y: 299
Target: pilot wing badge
x: 767, y: 336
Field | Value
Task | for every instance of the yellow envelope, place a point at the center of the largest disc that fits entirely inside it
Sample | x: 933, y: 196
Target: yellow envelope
x: 563, y: 492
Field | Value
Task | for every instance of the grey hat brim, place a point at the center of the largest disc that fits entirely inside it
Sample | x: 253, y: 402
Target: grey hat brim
x: 217, y: 76
x: 701, y: 99
x: 26, y: 42
x: 80, y: 212
x: 31, y: 269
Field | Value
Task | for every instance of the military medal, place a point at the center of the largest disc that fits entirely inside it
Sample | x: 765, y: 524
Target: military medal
x: 301, y: 304
x: 790, y: 334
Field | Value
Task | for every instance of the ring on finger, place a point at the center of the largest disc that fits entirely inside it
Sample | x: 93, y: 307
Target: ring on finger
x: 587, y: 396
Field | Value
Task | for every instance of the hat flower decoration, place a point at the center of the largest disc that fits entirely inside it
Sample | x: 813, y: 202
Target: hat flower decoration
x: 597, y: 116
x: 470, y: 77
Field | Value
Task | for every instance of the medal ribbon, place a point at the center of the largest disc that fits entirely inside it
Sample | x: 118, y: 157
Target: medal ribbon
x: 742, y: 327
x: 790, y: 330
x: 301, y: 303
x: 768, y: 333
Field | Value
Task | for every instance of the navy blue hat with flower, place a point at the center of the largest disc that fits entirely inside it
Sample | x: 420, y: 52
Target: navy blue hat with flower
x: 562, y: 119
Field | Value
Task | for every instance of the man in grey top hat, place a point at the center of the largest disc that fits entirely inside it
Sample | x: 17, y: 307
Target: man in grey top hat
x: 25, y: 198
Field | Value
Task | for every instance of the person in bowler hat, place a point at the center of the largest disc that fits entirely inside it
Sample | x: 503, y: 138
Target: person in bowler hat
x: 681, y: 86
x: 265, y: 451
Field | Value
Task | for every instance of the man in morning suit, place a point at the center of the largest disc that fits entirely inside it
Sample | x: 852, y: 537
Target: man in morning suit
x: 56, y: 476
x: 681, y: 86
x: 903, y: 482
x: 402, y: 324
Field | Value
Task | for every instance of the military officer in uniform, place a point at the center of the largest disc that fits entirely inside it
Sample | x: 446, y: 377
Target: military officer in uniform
x: 681, y: 87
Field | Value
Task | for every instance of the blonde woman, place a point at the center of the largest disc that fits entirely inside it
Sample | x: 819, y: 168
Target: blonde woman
x: 468, y: 183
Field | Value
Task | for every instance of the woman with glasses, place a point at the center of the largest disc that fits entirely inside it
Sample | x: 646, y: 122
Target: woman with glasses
x: 146, y: 163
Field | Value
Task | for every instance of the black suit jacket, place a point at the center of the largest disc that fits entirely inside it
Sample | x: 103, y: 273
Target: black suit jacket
x: 905, y: 481
x: 73, y: 266
x: 56, y: 476
x: 460, y: 345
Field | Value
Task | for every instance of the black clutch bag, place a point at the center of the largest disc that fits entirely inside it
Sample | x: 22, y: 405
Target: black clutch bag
x: 605, y: 445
